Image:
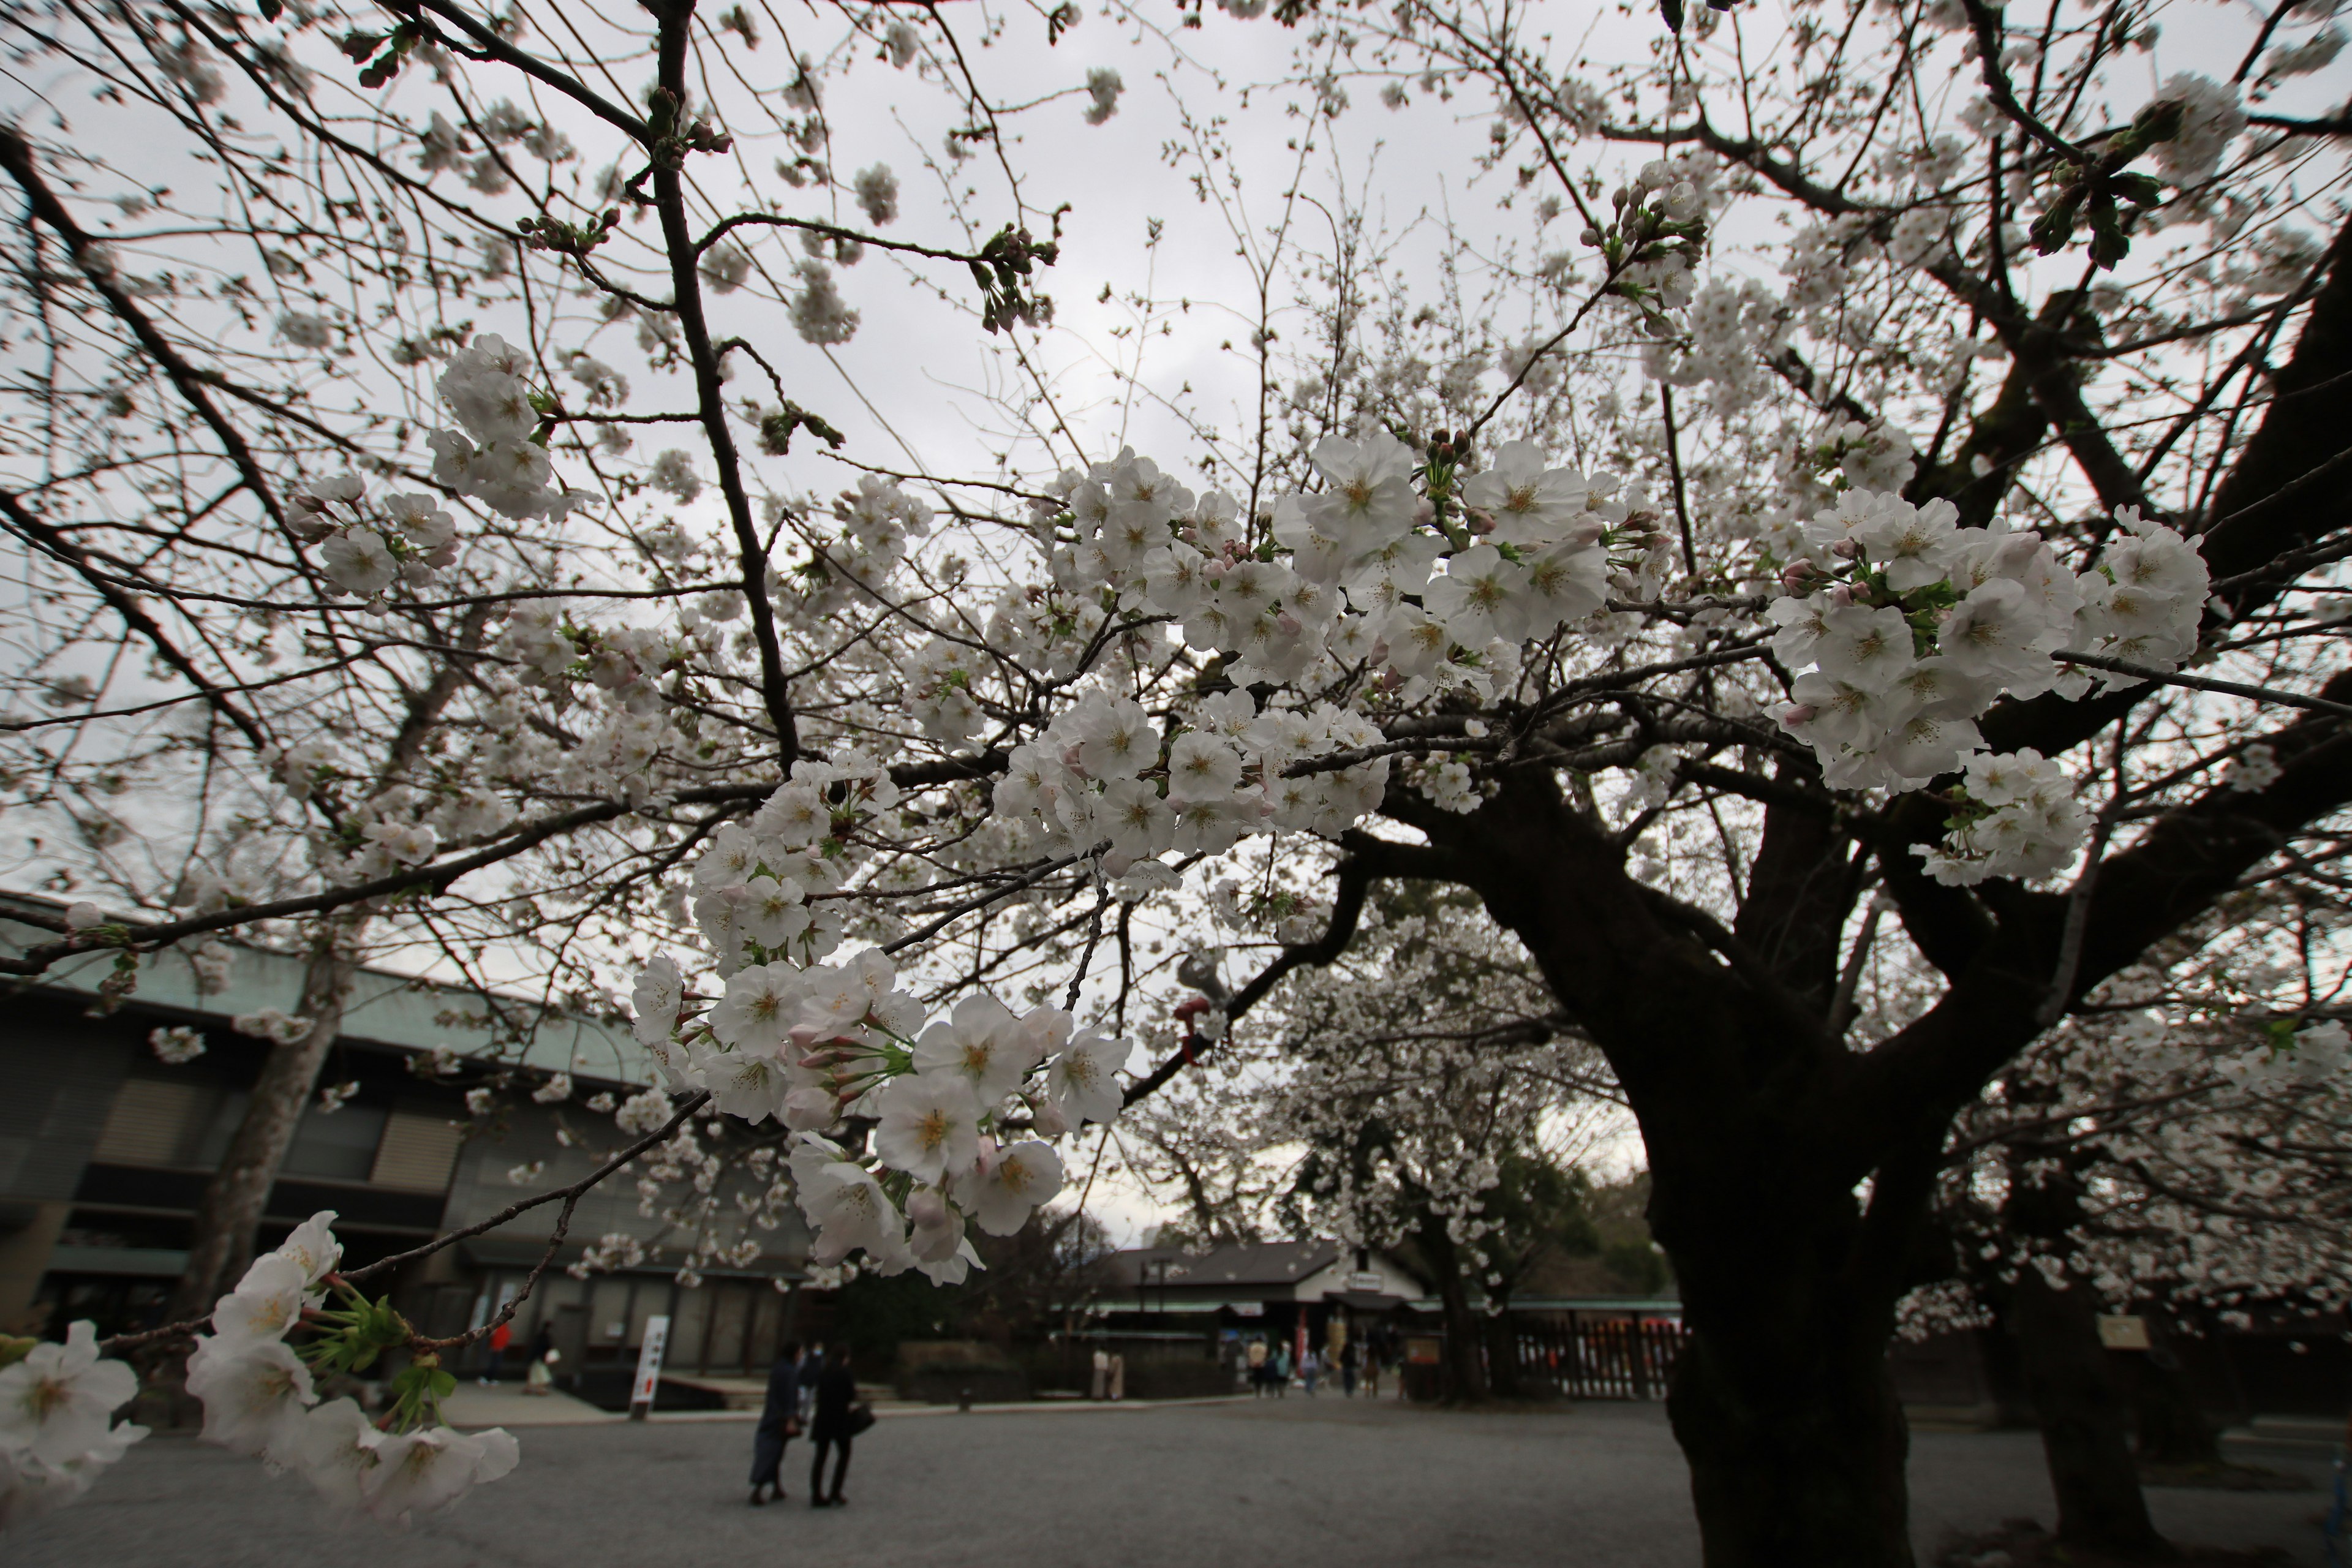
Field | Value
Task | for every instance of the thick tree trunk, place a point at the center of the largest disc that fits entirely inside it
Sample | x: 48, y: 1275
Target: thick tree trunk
x: 2085, y: 1419
x: 230, y: 1216
x: 1465, y: 1370
x: 1788, y: 1416
x: 1501, y: 1356
x: 2173, y: 1429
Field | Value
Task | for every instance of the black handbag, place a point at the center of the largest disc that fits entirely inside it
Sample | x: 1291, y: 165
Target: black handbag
x: 860, y: 1417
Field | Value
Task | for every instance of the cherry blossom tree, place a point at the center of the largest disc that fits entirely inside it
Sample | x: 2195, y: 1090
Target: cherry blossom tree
x: 1906, y: 518
x: 2174, y: 1150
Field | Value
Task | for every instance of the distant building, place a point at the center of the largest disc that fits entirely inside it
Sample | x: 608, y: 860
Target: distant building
x: 1280, y: 1291
x: 105, y: 1153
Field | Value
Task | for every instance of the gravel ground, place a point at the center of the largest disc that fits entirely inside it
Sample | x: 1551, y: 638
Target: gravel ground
x: 1350, y: 1485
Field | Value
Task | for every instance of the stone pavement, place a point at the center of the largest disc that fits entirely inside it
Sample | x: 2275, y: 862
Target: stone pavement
x: 1310, y: 1484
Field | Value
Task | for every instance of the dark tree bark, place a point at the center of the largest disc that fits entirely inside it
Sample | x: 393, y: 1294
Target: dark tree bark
x: 1794, y: 1434
x: 227, y: 1222
x: 2173, y: 1428
x: 2084, y: 1415
x: 1501, y: 1356
x: 1466, y: 1370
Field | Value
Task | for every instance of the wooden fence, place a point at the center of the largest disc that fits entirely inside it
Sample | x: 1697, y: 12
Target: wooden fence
x: 1594, y: 1358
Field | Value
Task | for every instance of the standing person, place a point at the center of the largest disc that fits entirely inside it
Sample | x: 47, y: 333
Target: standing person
x: 780, y: 1423
x: 836, y: 1396
x: 1118, y: 1376
x: 501, y: 1338
x: 811, y: 1368
x: 1310, y: 1367
x: 542, y: 1342
x: 1258, y: 1373
x: 1281, y: 1371
x: 1349, y: 1354
x: 1101, y: 1386
x: 1372, y: 1372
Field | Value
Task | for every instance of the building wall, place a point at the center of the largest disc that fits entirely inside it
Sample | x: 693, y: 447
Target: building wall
x: 105, y: 1154
x: 60, y: 1072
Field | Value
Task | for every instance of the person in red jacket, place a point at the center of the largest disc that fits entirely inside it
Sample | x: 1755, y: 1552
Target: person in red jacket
x: 501, y: 1337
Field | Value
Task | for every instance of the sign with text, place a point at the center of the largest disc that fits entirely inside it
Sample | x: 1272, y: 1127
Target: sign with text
x: 1370, y: 1280
x: 1249, y: 1308
x: 650, y: 1360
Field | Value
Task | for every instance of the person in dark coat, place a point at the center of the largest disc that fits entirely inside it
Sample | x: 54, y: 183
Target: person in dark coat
x: 811, y: 1368
x: 836, y: 1393
x: 780, y: 1422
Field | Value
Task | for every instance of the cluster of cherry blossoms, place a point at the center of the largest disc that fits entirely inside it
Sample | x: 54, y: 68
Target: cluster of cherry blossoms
x: 1354, y: 579
x: 1367, y: 580
x: 259, y: 1397
x: 501, y: 456
x: 57, y: 1436
x: 1099, y: 782
x: 2019, y: 818
x: 2314, y: 1054
x: 364, y: 551
x: 812, y: 1044
x: 1913, y: 626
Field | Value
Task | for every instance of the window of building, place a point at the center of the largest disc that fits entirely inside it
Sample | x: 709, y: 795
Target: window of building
x: 184, y: 1124
x: 418, y: 1150
x: 337, y: 1146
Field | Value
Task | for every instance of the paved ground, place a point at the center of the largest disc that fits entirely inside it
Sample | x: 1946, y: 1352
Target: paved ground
x: 1326, y: 1483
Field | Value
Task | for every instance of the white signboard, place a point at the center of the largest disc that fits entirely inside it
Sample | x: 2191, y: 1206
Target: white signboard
x: 650, y: 1360
x: 2122, y: 1333
x: 1249, y: 1308
x: 1368, y: 1279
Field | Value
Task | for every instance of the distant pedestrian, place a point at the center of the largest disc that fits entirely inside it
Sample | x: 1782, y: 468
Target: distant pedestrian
x: 811, y: 1368
x: 1372, y: 1373
x: 1310, y: 1367
x: 501, y: 1337
x: 1349, y: 1354
x: 1281, y: 1371
x: 1100, y: 1388
x: 1117, y: 1376
x: 1256, y: 1357
x: 839, y: 1418
x: 542, y: 1342
x: 780, y: 1423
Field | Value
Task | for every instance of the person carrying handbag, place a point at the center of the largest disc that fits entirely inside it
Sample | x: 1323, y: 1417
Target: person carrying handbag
x: 840, y: 1416
x: 780, y: 1423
